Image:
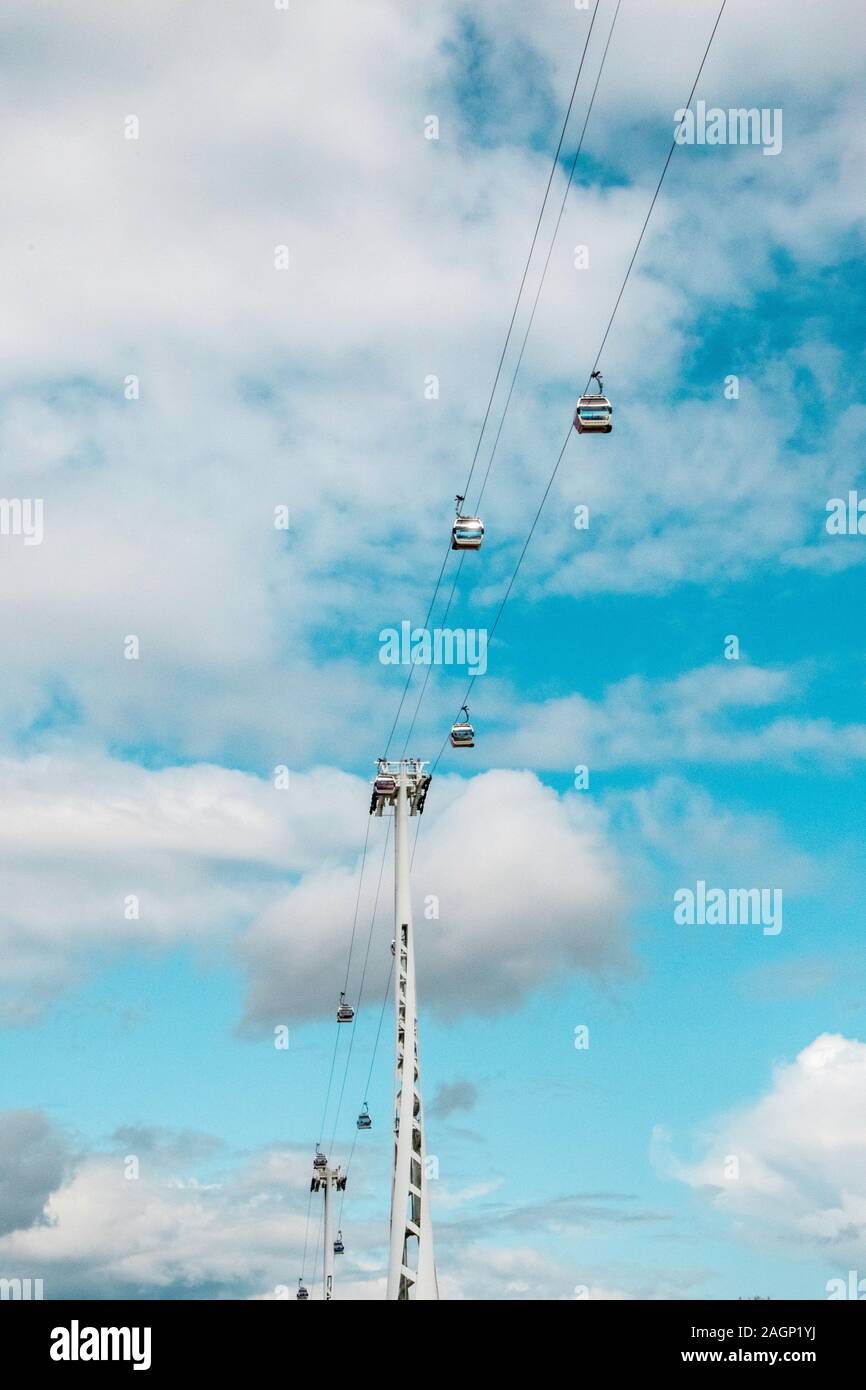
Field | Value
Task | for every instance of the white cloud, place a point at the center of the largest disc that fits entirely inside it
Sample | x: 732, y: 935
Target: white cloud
x: 801, y: 1150
x: 674, y: 823
x: 206, y: 850
x: 198, y: 846
x: 163, y: 1235
x: 445, y: 1198
x: 507, y: 859
x: 724, y: 712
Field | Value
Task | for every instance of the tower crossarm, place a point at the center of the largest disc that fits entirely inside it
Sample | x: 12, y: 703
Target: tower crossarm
x: 400, y: 772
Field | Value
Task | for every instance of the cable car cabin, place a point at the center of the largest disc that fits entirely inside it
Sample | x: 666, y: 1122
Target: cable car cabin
x: 467, y: 533
x: 385, y: 784
x: 592, y: 415
x: 364, y: 1121
x: 302, y: 1292
x: 345, y: 1012
x: 320, y: 1161
x: 339, y: 1247
x: 462, y: 735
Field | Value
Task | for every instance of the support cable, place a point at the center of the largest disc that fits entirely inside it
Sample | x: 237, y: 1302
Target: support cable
x: 531, y: 249
x: 540, y: 287
x: 550, y: 480
x: 549, y: 254
x: 369, y: 1080
x: 360, y: 987
x: 505, y: 345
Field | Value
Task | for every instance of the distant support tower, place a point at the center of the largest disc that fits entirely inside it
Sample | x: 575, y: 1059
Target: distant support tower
x: 411, y: 1268
x: 327, y: 1180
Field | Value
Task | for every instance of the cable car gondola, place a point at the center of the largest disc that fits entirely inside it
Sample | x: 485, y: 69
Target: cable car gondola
x: 384, y: 788
x: 339, y: 1247
x: 345, y: 1012
x: 593, y: 412
x: 320, y: 1161
x: 302, y: 1292
x: 467, y: 533
x: 462, y: 733
x: 364, y: 1121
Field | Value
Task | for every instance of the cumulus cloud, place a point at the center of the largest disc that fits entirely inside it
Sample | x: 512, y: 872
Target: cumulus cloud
x: 801, y: 1156
x: 103, y: 856
x: 165, y: 1234
x: 33, y: 1159
x: 504, y: 861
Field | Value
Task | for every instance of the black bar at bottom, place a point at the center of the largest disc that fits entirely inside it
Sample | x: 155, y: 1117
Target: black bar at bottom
x: 161, y: 1339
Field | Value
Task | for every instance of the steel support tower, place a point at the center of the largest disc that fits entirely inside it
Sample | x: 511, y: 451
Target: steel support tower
x: 411, y: 1268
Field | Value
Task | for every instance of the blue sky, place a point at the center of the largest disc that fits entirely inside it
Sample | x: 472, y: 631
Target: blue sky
x: 559, y: 1169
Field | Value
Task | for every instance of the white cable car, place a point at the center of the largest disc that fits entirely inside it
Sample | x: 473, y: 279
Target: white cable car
x: 345, y: 1012
x: 467, y: 533
x: 384, y: 788
x: 593, y: 413
x: 364, y: 1120
x: 462, y: 733
x: 302, y: 1292
x: 320, y: 1161
x: 339, y: 1247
